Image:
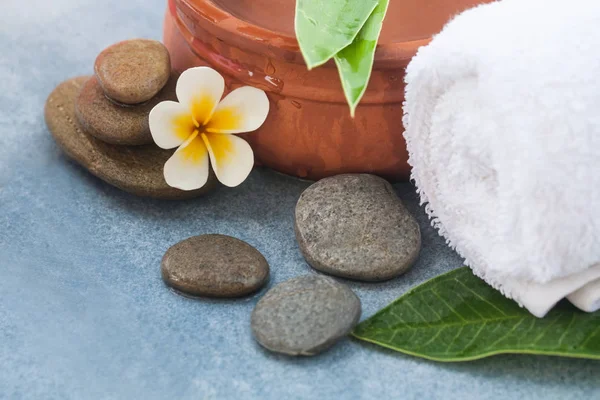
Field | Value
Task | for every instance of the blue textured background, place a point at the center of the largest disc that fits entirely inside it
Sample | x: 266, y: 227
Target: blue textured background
x: 83, y: 311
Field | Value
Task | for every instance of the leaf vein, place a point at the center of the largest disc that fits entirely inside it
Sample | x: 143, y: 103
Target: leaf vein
x: 507, y: 334
x: 479, y: 296
x: 562, y: 337
x: 447, y: 305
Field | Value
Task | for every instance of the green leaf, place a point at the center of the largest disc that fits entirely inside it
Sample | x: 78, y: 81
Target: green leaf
x: 355, y: 62
x: 458, y: 317
x: 324, y: 27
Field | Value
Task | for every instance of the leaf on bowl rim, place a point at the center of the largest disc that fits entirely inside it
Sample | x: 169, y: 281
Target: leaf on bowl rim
x: 355, y: 62
x: 323, y: 28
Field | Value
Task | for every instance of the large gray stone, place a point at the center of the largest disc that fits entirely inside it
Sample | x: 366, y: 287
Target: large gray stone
x: 355, y: 226
x: 215, y: 266
x: 305, y: 315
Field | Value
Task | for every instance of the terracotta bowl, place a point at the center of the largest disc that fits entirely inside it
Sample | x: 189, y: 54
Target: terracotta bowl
x: 309, y: 132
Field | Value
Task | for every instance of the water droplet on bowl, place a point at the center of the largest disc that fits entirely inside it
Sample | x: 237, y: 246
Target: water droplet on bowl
x: 275, y: 83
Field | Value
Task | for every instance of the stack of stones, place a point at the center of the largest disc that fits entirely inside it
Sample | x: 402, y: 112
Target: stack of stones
x: 102, y: 121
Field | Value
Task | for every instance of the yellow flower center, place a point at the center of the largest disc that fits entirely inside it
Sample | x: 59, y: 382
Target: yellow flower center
x: 201, y: 109
x: 221, y: 146
x: 200, y: 130
x: 184, y: 126
x: 226, y: 119
x: 195, y: 150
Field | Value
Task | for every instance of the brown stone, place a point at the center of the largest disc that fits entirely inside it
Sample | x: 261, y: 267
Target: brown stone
x: 133, y: 71
x: 215, y: 266
x: 138, y: 170
x: 114, y: 123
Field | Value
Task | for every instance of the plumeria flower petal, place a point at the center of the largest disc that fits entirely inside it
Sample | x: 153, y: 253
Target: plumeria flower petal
x: 243, y: 110
x: 203, y: 129
x: 231, y: 157
x: 188, y: 169
x: 200, y: 89
x: 170, y: 124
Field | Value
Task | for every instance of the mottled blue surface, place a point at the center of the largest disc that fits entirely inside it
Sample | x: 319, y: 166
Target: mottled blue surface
x: 83, y: 311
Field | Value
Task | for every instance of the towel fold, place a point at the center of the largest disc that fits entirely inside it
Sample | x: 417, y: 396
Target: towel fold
x: 502, y: 119
x: 587, y: 298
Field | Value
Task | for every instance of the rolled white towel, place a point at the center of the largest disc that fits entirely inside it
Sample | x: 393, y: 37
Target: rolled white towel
x: 502, y: 119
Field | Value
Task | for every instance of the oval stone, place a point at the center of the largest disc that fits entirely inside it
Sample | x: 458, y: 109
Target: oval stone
x: 133, y: 71
x: 114, y: 123
x: 305, y: 315
x: 214, y: 266
x: 137, y: 169
x: 355, y: 226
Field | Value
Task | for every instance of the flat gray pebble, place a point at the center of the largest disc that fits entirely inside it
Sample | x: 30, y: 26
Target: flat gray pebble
x: 305, y: 315
x: 214, y: 266
x: 355, y: 226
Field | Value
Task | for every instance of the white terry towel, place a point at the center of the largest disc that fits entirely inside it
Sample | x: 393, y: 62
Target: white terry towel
x: 502, y: 119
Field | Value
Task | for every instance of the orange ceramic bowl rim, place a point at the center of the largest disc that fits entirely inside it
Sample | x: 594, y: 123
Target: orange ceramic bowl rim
x: 388, y: 55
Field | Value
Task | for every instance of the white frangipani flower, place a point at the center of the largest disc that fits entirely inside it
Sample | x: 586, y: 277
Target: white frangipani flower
x: 202, y: 128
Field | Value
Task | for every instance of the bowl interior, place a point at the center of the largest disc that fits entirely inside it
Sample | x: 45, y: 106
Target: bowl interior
x: 406, y: 21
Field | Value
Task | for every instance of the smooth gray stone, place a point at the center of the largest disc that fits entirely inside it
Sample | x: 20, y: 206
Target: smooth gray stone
x: 356, y: 227
x: 305, y: 315
x: 214, y: 266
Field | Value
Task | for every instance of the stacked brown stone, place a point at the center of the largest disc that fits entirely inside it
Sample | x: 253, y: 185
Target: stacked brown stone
x: 102, y: 121
x: 130, y: 80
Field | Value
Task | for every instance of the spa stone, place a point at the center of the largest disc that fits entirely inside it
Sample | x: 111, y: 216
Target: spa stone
x: 305, y: 315
x: 133, y: 71
x: 135, y: 169
x: 355, y: 226
x: 214, y: 266
x: 114, y: 123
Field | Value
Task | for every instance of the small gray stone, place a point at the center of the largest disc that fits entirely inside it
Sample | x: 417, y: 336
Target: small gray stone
x: 214, y: 266
x: 133, y: 71
x: 305, y: 315
x: 355, y: 226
